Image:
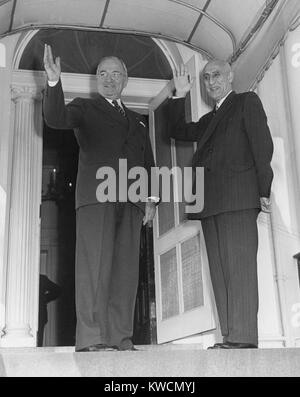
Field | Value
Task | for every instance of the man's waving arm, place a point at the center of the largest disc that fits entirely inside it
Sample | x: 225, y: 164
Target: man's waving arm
x: 178, y: 128
x: 56, y: 114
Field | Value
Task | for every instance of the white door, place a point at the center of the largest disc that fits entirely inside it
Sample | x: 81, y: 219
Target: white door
x: 182, y: 283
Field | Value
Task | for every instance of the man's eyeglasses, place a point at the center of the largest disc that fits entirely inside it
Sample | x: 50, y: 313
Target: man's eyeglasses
x: 114, y: 75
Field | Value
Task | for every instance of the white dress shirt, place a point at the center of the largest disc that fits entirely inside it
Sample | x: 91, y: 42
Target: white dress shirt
x: 219, y: 103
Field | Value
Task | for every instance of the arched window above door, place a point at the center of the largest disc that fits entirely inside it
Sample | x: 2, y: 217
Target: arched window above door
x: 80, y: 52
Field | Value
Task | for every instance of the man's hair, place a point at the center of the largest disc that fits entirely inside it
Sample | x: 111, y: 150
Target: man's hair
x: 112, y: 57
x: 224, y: 64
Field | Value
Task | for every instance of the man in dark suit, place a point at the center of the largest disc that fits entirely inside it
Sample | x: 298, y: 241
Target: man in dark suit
x: 235, y: 148
x: 108, y: 227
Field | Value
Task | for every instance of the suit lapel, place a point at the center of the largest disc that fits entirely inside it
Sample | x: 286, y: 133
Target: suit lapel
x: 133, y: 120
x: 222, y: 111
x: 110, y: 110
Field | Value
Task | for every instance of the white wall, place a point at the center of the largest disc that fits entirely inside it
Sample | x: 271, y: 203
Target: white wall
x: 281, y: 101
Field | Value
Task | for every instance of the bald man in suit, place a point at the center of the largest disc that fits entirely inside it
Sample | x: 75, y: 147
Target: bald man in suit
x: 108, y: 231
x: 235, y: 148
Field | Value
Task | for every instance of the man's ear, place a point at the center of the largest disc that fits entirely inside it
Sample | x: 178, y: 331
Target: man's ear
x: 125, y: 82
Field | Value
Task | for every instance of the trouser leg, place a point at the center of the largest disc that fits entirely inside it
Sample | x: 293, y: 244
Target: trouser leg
x: 234, y: 272
x: 107, y: 261
x: 94, y: 255
x: 125, y: 275
x: 218, y: 276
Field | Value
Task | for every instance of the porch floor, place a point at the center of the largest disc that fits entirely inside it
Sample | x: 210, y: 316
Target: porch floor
x: 150, y: 361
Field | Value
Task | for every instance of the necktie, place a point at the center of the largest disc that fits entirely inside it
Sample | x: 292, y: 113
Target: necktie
x: 214, y: 111
x: 119, y: 108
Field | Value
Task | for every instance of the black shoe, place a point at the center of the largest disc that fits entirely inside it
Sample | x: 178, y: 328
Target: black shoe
x: 132, y: 348
x: 233, y: 345
x: 101, y: 346
x: 95, y: 348
x: 215, y: 346
x: 129, y: 348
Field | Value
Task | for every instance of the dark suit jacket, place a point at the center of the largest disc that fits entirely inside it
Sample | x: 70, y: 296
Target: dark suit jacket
x: 235, y: 148
x: 104, y: 136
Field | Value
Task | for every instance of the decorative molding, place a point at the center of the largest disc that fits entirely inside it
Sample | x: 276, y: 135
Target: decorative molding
x: 211, y: 18
x: 27, y: 29
x: 270, y: 5
x: 86, y: 83
x: 170, y: 51
x: 23, y: 41
x: 295, y: 23
x: 25, y: 93
x: 293, y: 26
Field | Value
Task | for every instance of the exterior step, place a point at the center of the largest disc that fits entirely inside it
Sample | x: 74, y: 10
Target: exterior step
x: 150, y: 361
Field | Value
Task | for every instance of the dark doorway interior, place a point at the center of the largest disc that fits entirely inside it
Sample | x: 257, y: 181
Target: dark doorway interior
x: 145, y: 311
x: 58, y: 238
x: 58, y: 233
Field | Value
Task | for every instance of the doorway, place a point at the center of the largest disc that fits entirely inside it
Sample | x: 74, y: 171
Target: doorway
x: 58, y: 233
x: 149, y: 65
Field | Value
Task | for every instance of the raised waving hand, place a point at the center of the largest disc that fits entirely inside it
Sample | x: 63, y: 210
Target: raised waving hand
x: 52, y: 67
x: 182, y: 80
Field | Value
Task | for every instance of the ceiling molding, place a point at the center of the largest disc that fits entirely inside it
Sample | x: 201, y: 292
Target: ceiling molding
x: 12, y: 15
x: 254, y: 30
x: 32, y: 27
x: 104, y: 13
x: 250, y: 66
x: 198, y: 21
x: 2, y: 2
x: 293, y: 26
x: 101, y: 26
x: 170, y: 51
x: 23, y: 41
x: 238, y: 49
x: 211, y: 18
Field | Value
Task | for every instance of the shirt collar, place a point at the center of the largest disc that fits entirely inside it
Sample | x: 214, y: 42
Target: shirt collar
x: 218, y: 104
x: 118, y: 100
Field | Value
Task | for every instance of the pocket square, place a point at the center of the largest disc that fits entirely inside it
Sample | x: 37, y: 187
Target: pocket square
x: 143, y: 124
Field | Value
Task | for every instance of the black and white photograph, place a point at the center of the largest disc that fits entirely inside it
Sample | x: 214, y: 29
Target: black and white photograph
x: 150, y: 191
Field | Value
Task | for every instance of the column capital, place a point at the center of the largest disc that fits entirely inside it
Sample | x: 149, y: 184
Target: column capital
x: 26, y: 93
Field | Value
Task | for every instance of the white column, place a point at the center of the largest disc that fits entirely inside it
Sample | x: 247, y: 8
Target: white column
x: 24, y: 222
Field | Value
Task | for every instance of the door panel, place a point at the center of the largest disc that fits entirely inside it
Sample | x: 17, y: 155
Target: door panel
x: 163, y: 158
x: 192, y: 283
x: 184, y: 154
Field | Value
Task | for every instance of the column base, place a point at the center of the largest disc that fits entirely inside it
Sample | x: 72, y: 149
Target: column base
x: 17, y: 338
